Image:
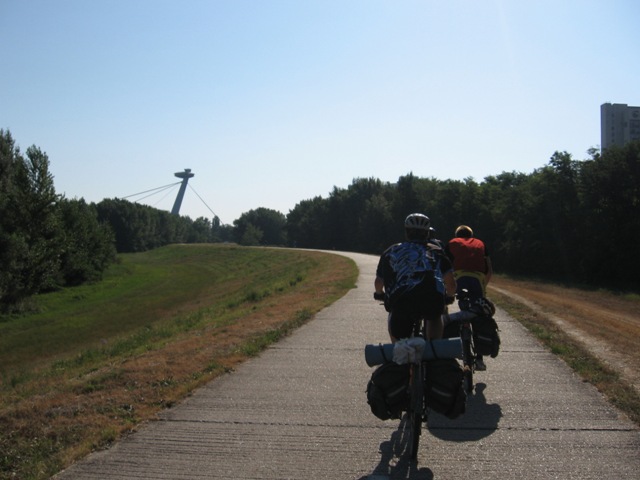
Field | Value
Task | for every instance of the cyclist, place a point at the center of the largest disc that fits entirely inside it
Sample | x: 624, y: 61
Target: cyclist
x: 415, y: 279
x: 472, y: 268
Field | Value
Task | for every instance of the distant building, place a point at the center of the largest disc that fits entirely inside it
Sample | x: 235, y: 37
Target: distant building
x: 619, y: 124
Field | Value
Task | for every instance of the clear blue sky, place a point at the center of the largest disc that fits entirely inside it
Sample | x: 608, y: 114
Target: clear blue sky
x: 274, y: 102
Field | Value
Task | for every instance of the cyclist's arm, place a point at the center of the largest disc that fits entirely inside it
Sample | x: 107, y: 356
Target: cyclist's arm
x: 379, y: 285
x: 446, y: 268
x: 449, y: 283
x: 489, y: 269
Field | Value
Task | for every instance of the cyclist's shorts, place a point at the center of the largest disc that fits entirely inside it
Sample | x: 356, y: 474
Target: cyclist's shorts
x: 473, y: 282
x: 403, y: 316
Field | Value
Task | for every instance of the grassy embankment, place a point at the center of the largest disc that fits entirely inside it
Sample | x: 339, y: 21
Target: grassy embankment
x: 93, y: 362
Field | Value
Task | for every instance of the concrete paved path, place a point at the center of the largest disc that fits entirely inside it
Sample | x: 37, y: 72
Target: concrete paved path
x: 299, y: 412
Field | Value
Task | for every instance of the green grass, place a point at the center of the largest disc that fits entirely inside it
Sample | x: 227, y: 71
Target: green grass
x: 72, y: 372
x: 143, y: 300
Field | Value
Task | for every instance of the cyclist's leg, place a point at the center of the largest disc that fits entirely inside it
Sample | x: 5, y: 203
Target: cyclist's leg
x: 434, y: 327
x: 475, y: 289
x: 399, y: 324
x: 390, y: 318
x: 472, y: 285
x: 432, y: 313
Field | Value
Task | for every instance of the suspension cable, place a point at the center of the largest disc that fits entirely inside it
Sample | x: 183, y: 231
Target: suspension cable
x: 171, y: 190
x: 152, y: 190
x: 205, y: 203
x: 168, y: 187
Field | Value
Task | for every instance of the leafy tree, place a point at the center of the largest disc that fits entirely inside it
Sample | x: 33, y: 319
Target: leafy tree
x: 220, y: 232
x: 407, y: 199
x: 201, y: 231
x: 377, y: 226
x: 557, y: 217
x: 505, y: 195
x: 88, y: 246
x: 262, y: 226
x: 308, y: 224
x: 43, y: 232
x: 251, y: 236
x: 119, y: 215
x: 31, y: 234
x: 138, y: 228
x: 12, y: 243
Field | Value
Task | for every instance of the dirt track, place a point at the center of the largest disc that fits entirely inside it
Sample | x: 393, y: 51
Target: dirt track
x: 606, y: 324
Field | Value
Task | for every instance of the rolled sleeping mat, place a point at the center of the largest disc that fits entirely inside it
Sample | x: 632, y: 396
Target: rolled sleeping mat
x: 461, y: 316
x: 441, y: 348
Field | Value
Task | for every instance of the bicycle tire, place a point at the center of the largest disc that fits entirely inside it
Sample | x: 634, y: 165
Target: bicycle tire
x: 468, y: 360
x: 415, y: 410
x: 468, y: 379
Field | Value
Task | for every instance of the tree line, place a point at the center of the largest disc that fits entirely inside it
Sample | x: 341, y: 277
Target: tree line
x: 570, y: 220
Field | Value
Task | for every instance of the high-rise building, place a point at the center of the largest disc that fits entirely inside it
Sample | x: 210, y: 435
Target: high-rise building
x: 619, y: 124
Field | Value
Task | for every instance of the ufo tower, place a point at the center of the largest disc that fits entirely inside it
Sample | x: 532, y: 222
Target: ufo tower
x: 185, y: 176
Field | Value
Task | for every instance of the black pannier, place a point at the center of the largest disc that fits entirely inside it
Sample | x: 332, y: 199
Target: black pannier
x: 387, y: 391
x: 485, y: 336
x: 444, y: 387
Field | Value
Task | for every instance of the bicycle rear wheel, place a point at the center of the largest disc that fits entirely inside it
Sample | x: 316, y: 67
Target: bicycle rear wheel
x: 468, y: 379
x: 468, y: 358
x: 415, y: 410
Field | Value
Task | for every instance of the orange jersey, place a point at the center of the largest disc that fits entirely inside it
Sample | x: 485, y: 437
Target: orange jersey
x: 468, y: 254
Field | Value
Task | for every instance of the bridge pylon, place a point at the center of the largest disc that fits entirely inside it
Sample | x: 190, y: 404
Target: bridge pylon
x: 185, y: 176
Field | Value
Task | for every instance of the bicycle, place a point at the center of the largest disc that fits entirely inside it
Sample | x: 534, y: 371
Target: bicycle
x: 465, y: 332
x: 417, y: 408
x: 463, y: 318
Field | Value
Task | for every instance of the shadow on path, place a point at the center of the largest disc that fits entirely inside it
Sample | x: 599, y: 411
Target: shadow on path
x: 394, y: 460
x: 480, y: 420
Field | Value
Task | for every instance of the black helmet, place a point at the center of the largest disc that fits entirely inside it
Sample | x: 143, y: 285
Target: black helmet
x: 417, y: 221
